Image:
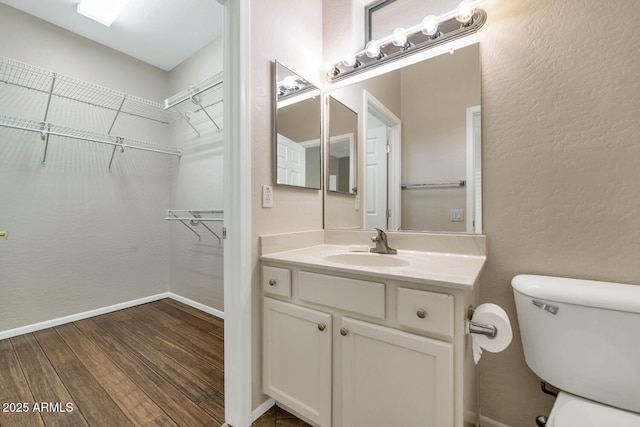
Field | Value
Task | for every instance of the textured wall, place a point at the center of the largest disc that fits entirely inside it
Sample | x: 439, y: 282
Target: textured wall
x: 291, y: 32
x: 561, y: 159
x: 561, y: 191
x: 80, y: 237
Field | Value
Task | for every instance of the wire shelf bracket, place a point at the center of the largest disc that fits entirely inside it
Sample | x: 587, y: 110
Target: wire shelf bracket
x: 195, y: 94
x: 192, y: 218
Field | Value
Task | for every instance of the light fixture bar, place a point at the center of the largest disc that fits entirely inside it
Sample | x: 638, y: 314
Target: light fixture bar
x: 102, y: 11
x: 462, y: 21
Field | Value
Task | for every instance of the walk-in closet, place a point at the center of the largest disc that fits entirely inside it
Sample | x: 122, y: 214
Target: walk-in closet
x: 111, y: 161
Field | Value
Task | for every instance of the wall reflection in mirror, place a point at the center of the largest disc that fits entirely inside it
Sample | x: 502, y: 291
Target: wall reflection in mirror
x: 342, y: 164
x: 420, y: 148
x: 297, y: 128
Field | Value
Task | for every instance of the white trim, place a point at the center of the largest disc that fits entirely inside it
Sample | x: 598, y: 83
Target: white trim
x: 474, y: 206
x: 205, y: 308
x: 262, y: 409
x: 237, y: 212
x: 104, y: 310
x: 488, y: 422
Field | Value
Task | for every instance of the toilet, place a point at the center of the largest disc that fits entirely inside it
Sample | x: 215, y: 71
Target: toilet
x: 583, y: 337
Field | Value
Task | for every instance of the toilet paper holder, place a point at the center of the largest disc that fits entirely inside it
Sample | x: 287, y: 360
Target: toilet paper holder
x: 478, y: 328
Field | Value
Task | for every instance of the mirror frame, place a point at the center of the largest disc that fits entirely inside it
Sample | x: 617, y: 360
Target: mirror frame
x: 308, y: 88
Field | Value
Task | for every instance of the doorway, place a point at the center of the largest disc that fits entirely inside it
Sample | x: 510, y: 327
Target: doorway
x: 383, y: 166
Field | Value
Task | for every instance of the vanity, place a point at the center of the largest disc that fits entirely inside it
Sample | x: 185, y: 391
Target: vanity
x: 361, y: 339
x: 358, y: 339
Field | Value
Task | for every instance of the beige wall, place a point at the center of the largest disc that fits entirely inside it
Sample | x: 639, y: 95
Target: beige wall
x: 560, y: 160
x: 197, y: 264
x: 435, y: 97
x: 291, y: 32
x: 80, y: 237
x: 560, y: 102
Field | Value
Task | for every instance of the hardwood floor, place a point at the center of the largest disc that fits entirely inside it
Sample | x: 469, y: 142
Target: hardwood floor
x: 278, y: 417
x: 158, y: 364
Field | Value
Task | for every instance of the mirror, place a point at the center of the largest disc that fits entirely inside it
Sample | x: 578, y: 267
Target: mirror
x: 343, y: 133
x: 297, y: 127
x: 420, y: 148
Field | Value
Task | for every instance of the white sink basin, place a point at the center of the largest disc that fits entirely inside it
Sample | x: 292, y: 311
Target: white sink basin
x: 366, y: 259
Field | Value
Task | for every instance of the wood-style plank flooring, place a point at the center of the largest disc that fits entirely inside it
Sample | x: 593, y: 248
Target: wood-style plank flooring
x: 157, y: 364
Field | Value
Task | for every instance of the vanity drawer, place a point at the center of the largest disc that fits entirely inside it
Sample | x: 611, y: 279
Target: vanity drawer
x: 357, y: 296
x: 427, y: 311
x: 276, y: 281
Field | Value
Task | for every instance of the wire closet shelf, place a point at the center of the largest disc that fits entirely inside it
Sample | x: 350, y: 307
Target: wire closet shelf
x: 52, y: 84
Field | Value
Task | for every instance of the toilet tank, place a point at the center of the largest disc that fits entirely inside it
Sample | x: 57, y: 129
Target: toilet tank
x: 582, y: 336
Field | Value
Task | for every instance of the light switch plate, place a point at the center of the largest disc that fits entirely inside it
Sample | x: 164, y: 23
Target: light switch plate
x: 267, y: 196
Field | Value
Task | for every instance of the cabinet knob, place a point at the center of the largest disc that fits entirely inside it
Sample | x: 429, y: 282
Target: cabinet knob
x: 421, y: 313
x: 321, y: 327
x: 344, y: 332
x: 272, y: 282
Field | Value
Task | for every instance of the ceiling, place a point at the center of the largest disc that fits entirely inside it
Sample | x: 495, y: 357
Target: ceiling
x: 162, y: 33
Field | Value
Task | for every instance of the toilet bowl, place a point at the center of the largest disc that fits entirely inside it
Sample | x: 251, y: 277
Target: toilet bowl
x: 583, y: 337
x: 574, y: 411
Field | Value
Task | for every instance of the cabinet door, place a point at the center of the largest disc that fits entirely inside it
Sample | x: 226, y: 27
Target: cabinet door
x: 297, y: 359
x: 393, y: 378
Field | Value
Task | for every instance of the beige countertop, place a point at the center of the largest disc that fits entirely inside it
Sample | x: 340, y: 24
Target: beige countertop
x: 458, y: 271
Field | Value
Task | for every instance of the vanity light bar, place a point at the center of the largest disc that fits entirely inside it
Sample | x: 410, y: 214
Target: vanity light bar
x: 292, y: 85
x: 432, y: 31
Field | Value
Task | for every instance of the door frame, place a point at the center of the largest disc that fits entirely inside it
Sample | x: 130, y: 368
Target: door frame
x: 394, y: 160
x: 237, y: 212
x: 474, y: 181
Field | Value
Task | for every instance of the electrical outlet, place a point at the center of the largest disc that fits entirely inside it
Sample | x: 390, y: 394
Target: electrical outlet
x: 357, y: 202
x: 456, y: 215
x: 267, y: 196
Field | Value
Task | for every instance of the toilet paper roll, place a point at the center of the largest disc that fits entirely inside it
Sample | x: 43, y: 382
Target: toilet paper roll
x: 491, y: 314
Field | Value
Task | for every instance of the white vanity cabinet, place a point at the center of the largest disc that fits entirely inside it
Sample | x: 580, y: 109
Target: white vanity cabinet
x: 347, y: 350
x: 297, y: 352
x: 393, y: 378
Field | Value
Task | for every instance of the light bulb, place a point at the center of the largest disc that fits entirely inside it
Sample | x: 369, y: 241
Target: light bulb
x: 465, y: 11
x: 399, y: 37
x: 349, y: 60
x: 429, y: 25
x: 372, y: 49
x: 290, y: 83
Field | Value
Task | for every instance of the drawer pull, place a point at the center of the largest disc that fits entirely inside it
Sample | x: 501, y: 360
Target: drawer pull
x: 344, y: 332
x: 321, y: 327
x: 421, y: 313
x: 272, y: 282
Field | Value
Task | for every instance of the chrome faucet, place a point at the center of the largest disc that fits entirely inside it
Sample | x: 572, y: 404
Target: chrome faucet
x: 381, y: 244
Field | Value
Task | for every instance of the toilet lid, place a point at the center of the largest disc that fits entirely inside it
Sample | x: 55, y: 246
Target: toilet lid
x: 574, y: 411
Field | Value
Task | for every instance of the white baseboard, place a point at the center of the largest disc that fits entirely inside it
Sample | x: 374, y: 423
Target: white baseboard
x: 104, y: 310
x: 488, y: 422
x: 210, y: 310
x: 262, y: 409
